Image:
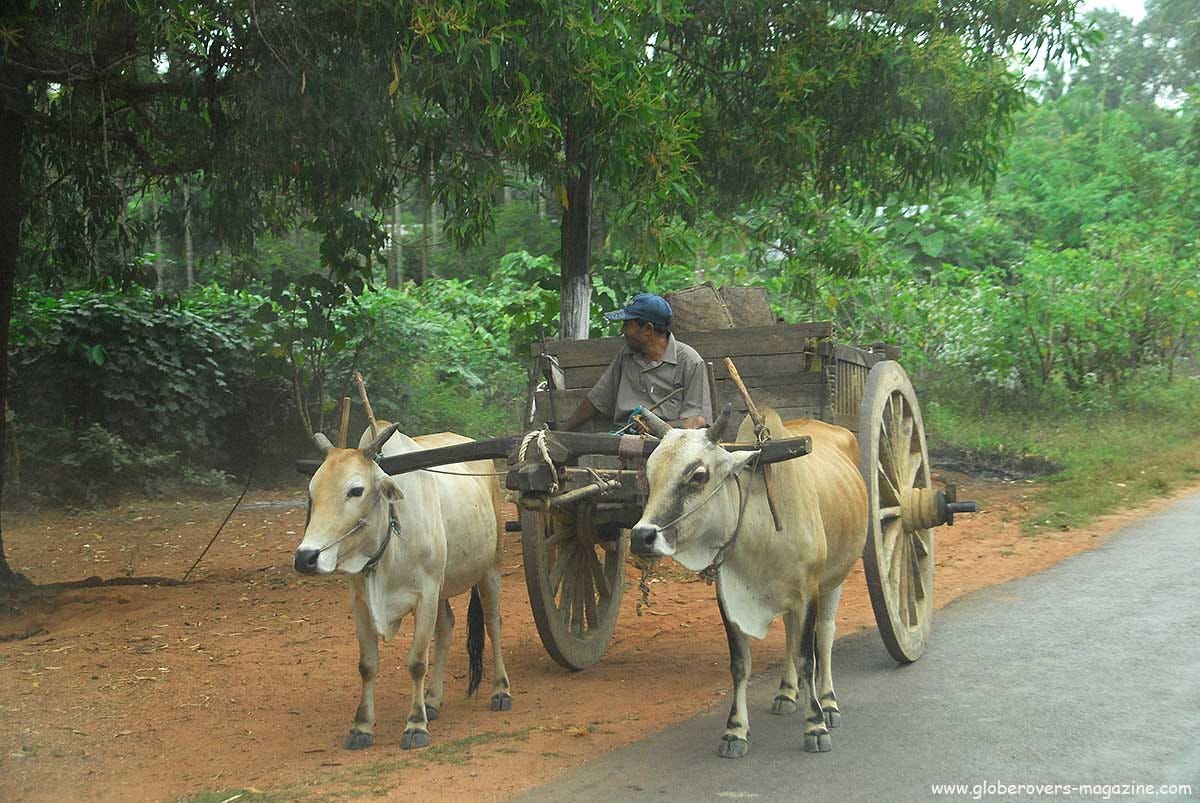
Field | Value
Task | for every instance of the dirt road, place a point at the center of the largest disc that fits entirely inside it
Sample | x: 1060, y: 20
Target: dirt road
x: 247, y: 679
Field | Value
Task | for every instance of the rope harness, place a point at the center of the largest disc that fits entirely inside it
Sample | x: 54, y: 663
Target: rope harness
x: 537, y: 438
x: 709, y: 573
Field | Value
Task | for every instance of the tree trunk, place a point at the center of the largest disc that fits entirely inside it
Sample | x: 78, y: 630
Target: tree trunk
x: 396, y: 261
x: 576, y: 268
x: 188, y: 254
x: 158, y: 245
x: 426, y: 222
x: 12, y: 212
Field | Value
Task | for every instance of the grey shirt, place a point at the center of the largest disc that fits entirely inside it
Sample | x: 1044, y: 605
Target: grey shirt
x: 632, y: 379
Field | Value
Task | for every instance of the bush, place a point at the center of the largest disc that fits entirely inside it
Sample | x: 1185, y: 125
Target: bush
x: 110, y: 391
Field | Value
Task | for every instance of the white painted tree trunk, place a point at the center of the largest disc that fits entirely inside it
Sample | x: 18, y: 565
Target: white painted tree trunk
x: 576, y: 304
x: 575, y: 272
x: 158, y: 245
x: 188, y: 253
x: 396, y: 263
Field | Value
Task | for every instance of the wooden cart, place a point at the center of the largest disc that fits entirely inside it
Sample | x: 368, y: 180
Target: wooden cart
x: 574, y: 568
x: 578, y: 492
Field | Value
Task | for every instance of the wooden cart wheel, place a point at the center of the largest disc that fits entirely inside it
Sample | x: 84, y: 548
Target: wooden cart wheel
x: 575, y: 584
x: 898, y: 556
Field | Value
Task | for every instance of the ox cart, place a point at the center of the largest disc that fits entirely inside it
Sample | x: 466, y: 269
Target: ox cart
x: 579, y: 491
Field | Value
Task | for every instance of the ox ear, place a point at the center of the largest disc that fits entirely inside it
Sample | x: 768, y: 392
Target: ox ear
x: 390, y: 489
x: 742, y: 459
x: 373, y: 448
x: 322, y: 443
x: 716, y: 431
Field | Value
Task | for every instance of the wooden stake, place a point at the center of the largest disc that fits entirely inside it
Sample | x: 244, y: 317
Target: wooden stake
x: 741, y: 386
x: 760, y: 428
x: 345, y: 422
x: 362, y: 394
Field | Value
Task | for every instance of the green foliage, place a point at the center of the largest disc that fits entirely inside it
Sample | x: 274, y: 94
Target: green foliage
x: 115, y: 388
x: 438, y: 357
x: 1112, y: 450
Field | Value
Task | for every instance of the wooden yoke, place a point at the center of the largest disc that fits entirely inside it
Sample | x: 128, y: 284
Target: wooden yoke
x: 761, y: 434
x: 562, y: 447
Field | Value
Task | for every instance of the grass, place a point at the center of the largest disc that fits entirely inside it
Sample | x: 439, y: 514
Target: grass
x: 1112, y: 451
x: 371, y: 778
x: 239, y: 796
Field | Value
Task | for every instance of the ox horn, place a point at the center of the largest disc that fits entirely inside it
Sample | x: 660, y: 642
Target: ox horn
x: 380, y: 440
x: 658, y: 427
x: 322, y: 443
x: 716, y: 430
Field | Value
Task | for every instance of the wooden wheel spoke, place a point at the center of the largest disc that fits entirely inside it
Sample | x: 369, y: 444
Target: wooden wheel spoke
x: 907, y: 430
x: 886, y: 513
x: 901, y: 431
x: 892, y: 533
x: 914, y: 468
x: 566, y: 600
x: 886, y: 485
x: 900, y: 576
x: 919, y: 543
x: 913, y: 579
x: 600, y: 581
x: 887, y: 455
x: 918, y: 581
x: 589, y: 587
x: 559, y: 572
x: 585, y: 590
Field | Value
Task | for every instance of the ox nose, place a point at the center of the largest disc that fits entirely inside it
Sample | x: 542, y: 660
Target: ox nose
x: 643, y: 538
x: 305, y: 561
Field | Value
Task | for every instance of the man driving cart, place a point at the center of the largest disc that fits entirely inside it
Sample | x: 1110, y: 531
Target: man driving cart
x: 652, y: 370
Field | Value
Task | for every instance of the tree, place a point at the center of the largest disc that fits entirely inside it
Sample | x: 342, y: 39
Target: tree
x: 274, y: 111
x: 283, y: 111
x: 767, y: 109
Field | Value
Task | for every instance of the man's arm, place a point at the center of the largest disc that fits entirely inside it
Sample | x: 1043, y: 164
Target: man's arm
x: 583, y: 413
x: 695, y: 411
x: 600, y: 399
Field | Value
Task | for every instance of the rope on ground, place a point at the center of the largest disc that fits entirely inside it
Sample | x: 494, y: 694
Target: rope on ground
x: 228, y: 516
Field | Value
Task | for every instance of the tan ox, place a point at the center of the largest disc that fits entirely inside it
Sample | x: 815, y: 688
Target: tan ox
x: 409, y: 543
x: 708, y: 509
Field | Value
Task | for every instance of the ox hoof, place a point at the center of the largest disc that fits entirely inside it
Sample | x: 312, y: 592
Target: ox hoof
x: 431, y: 712
x: 733, y: 747
x: 502, y: 702
x: 817, y: 742
x: 358, y: 740
x: 783, y: 705
x: 833, y: 718
x: 414, y: 738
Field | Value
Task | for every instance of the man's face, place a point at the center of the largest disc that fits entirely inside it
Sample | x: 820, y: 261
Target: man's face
x: 635, y: 335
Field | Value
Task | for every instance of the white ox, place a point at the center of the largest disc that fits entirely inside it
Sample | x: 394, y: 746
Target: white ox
x: 706, y: 510
x: 409, y: 543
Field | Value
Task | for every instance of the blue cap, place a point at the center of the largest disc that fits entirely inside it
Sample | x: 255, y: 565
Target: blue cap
x: 646, y: 307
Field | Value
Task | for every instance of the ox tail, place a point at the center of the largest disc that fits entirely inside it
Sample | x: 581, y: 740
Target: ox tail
x: 474, y: 642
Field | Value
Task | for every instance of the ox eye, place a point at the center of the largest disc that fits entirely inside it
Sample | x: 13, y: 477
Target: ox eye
x: 699, y: 477
x: 355, y: 492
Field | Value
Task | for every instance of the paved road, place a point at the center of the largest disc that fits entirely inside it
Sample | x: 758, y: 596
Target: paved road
x: 1088, y: 673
